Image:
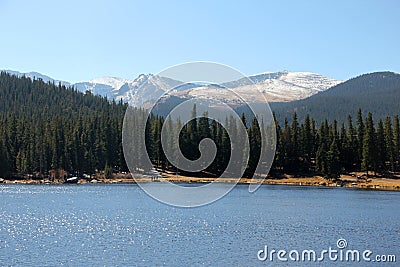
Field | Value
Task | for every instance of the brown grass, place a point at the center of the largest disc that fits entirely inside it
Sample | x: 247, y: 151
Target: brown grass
x: 343, y: 181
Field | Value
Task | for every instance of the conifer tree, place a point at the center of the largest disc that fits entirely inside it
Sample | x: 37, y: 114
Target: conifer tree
x: 321, y: 159
x: 333, y: 160
x: 360, y: 136
x: 308, y: 140
x: 369, y: 150
x: 389, y: 143
x: 255, y: 147
x: 353, y: 145
x: 381, y: 153
x: 396, y: 141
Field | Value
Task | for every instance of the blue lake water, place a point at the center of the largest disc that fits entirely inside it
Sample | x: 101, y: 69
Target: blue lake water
x: 119, y: 225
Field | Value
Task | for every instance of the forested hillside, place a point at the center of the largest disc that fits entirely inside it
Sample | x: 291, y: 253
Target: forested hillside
x: 378, y: 93
x: 47, y: 127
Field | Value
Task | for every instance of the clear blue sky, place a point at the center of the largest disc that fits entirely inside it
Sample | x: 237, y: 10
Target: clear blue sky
x: 79, y: 40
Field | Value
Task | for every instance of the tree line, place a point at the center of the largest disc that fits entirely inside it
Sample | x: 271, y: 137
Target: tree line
x: 302, y: 148
x: 331, y: 149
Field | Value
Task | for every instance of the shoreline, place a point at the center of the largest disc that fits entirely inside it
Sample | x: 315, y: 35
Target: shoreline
x: 386, y: 184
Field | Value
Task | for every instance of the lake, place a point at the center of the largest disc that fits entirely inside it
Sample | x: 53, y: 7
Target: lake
x: 119, y: 225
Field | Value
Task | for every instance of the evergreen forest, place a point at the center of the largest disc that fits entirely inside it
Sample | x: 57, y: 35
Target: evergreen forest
x: 45, y: 127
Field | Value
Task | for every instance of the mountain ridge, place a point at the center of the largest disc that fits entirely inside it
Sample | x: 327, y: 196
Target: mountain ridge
x: 281, y: 86
x: 36, y: 75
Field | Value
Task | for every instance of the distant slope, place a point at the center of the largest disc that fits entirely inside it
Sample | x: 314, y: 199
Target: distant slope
x: 378, y: 93
x: 37, y: 75
x: 20, y: 96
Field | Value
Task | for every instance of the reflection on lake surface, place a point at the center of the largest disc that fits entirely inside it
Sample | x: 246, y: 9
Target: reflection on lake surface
x: 120, y: 225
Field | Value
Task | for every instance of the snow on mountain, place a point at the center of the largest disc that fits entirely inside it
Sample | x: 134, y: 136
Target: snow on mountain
x: 106, y: 86
x: 144, y: 88
x: 313, y: 82
x: 36, y: 75
x: 280, y: 86
x: 290, y: 86
x: 114, y: 82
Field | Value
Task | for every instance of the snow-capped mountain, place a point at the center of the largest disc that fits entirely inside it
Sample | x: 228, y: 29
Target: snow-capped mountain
x: 146, y: 88
x: 137, y: 92
x: 107, y: 86
x: 280, y: 86
x: 287, y: 86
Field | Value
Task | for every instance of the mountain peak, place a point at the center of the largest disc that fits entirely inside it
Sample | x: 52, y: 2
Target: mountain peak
x: 143, y: 77
x: 113, y: 82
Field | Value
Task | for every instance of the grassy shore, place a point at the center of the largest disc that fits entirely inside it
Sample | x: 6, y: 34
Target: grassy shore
x: 344, y: 181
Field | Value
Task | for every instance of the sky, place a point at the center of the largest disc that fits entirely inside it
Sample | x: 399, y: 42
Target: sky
x: 81, y: 40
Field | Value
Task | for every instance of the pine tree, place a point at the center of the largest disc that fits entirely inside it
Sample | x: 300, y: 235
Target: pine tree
x: 279, y: 154
x: 344, y: 149
x: 396, y: 141
x: 241, y: 155
x: 286, y: 144
x: 244, y: 120
x: 333, y: 160
x: 192, y: 135
x: 170, y: 139
x: 21, y: 163
x: 295, y: 138
x: 389, y: 142
x: 255, y: 146
x: 307, y: 140
x: 381, y: 153
x: 314, y: 138
x: 204, y: 127
x: 192, y: 124
x: 176, y: 142
x: 214, y: 135
x: 321, y: 159
x: 360, y: 136
x: 225, y: 148
x: 369, y: 152
x: 352, y: 153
